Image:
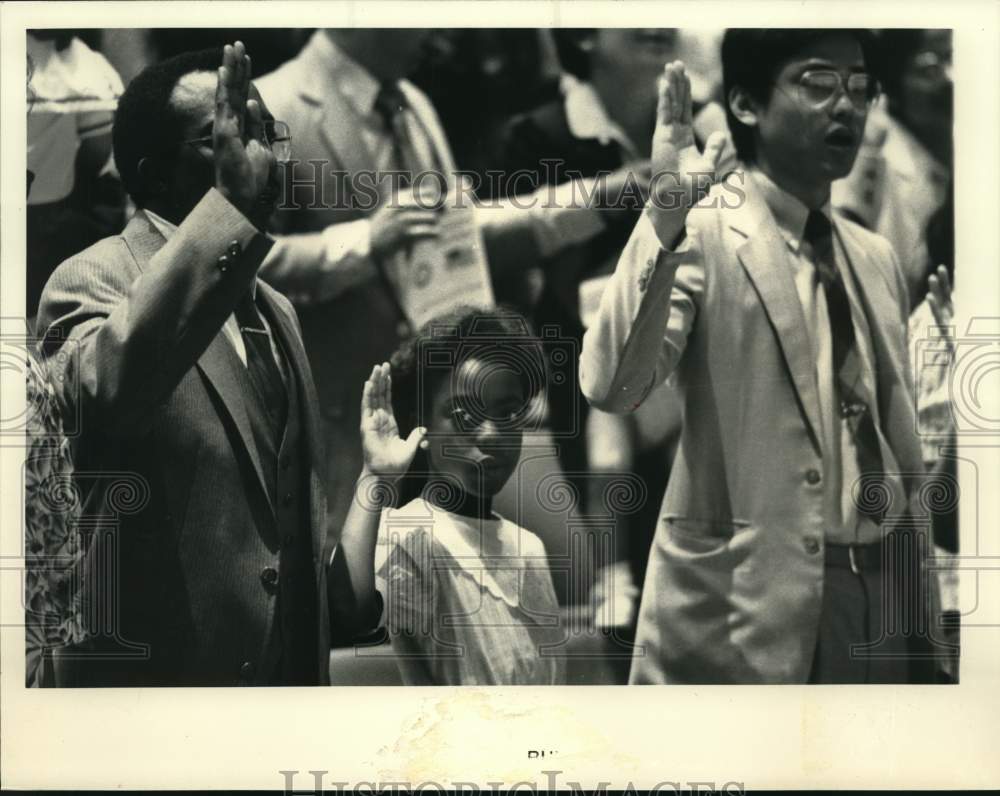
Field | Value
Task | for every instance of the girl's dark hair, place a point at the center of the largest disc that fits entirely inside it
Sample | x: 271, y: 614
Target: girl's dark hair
x: 752, y: 58
x: 429, y: 358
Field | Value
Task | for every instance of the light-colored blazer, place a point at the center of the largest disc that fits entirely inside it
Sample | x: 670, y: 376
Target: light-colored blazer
x: 133, y: 332
x: 735, y: 578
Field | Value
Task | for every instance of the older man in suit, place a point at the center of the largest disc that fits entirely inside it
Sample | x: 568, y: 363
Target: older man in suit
x: 784, y: 550
x: 190, y: 377
x: 353, y: 115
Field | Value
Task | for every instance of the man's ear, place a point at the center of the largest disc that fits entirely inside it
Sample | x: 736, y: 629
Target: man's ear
x: 742, y: 106
x: 153, y: 176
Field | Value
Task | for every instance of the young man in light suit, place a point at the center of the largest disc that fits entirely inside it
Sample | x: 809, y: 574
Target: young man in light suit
x: 785, y: 329
x: 192, y: 386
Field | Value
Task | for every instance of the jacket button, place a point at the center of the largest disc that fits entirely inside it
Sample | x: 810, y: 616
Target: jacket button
x: 246, y: 670
x: 235, y: 249
x: 223, y: 264
x: 287, y: 499
x: 812, y: 546
x: 269, y: 576
x: 813, y: 476
x: 289, y: 539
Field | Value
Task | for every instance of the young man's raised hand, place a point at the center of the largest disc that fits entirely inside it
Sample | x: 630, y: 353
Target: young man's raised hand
x: 681, y: 174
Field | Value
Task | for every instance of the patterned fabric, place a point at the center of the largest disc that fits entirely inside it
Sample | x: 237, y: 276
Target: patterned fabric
x: 52, y: 548
x: 468, y: 602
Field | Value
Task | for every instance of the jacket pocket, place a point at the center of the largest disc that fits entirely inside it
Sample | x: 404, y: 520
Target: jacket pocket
x: 697, y: 535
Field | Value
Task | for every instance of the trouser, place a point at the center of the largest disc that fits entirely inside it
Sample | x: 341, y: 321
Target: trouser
x: 861, y: 634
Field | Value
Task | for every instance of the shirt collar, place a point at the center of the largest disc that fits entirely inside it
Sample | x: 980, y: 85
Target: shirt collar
x: 586, y: 116
x: 168, y: 228
x: 789, y: 213
x: 164, y: 227
x: 357, y: 84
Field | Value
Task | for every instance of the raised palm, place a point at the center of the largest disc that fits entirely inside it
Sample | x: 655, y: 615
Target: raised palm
x: 681, y: 174
x: 244, y: 163
x: 386, y: 453
x: 940, y: 301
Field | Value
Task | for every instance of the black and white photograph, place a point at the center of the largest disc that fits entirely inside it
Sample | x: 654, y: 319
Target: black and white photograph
x: 499, y: 354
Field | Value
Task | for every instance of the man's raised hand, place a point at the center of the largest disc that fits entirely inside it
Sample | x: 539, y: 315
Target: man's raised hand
x: 681, y: 174
x: 244, y: 163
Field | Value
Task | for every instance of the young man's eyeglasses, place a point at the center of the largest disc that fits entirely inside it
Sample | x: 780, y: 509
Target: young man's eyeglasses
x: 817, y: 87
x: 277, y: 135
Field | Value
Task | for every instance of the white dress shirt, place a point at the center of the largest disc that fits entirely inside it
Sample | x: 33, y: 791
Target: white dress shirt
x: 555, y: 217
x: 844, y: 522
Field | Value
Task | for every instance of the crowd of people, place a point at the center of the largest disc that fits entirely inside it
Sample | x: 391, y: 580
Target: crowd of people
x: 316, y: 300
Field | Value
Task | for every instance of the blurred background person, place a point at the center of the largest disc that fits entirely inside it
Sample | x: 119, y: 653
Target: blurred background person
x: 601, y: 121
x: 75, y: 200
x: 344, y: 259
x: 931, y: 330
x: 903, y: 171
x: 477, y: 79
x: 271, y: 47
x: 52, y: 542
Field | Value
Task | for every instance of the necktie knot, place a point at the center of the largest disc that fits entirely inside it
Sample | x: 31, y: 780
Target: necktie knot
x: 818, y: 233
x: 262, y: 367
x: 247, y: 315
x: 389, y: 102
x: 817, y: 229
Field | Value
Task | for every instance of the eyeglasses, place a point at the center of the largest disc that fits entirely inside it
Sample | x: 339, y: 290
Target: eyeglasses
x: 817, y: 87
x: 277, y: 135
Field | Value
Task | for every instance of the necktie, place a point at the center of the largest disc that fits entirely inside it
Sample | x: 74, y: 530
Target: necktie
x: 390, y: 104
x: 852, y: 394
x: 263, y: 370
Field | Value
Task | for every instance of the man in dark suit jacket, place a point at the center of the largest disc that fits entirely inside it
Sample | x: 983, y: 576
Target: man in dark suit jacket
x: 190, y: 380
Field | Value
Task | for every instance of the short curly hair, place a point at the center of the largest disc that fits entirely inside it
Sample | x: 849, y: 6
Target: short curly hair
x: 429, y: 358
x: 145, y: 124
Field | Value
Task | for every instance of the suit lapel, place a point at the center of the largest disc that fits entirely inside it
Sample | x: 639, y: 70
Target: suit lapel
x: 338, y: 123
x: 339, y: 128
x: 290, y: 342
x: 762, y: 257
x: 220, y: 366
x: 894, y: 393
x: 219, y: 363
x: 431, y: 127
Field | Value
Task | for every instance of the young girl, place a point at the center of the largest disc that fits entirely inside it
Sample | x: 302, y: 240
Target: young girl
x: 468, y: 594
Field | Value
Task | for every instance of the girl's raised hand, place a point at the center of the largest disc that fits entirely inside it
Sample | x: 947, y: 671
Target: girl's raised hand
x: 386, y: 454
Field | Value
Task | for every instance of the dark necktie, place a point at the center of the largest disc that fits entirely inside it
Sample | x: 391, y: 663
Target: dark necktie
x: 390, y: 104
x: 851, y: 392
x: 261, y: 366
